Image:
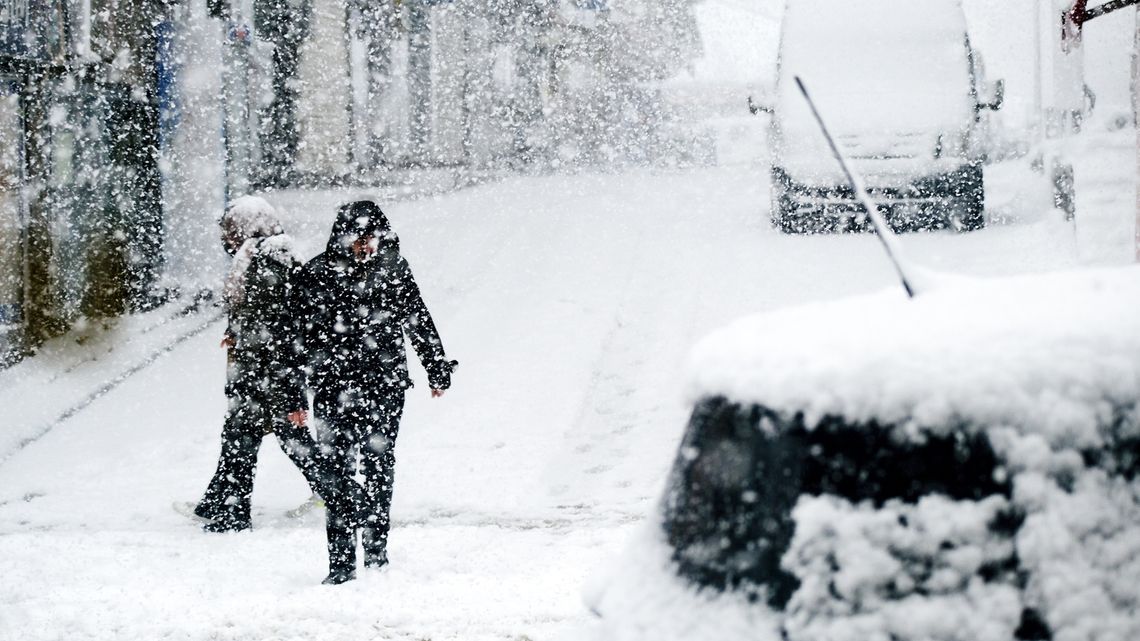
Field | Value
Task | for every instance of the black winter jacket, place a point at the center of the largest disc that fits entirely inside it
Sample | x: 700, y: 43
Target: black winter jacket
x: 265, y: 366
x: 355, y: 316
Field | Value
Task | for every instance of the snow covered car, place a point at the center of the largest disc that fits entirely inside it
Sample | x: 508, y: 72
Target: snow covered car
x: 905, y: 94
x: 960, y: 466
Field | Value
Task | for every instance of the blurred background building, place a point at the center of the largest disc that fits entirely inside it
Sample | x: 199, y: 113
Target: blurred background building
x: 126, y: 125
x: 81, y: 230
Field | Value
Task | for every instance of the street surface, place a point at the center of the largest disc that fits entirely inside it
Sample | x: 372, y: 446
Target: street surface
x: 570, y: 302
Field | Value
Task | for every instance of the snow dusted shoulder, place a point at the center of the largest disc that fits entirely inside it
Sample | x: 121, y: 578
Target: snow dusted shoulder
x: 280, y: 248
x: 1056, y: 355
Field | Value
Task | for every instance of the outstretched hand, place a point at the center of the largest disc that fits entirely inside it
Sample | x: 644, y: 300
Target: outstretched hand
x: 436, y: 393
x: 298, y: 418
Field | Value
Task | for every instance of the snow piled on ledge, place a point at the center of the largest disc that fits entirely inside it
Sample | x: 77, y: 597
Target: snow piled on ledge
x: 938, y: 571
x: 1055, y: 355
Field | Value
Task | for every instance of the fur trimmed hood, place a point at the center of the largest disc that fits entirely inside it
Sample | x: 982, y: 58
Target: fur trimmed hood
x: 251, y: 217
x: 254, y: 222
x: 357, y: 219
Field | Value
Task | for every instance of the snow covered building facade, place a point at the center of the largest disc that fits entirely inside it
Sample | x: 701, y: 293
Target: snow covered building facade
x: 81, y: 228
x: 481, y: 85
x: 381, y: 86
x: 323, y: 116
x: 126, y: 125
x: 30, y: 46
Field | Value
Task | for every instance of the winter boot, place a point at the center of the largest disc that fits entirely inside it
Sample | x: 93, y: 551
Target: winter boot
x: 207, y: 512
x: 375, y: 559
x: 226, y: 525
x: 340, y: 575
x: 314, y: 502
x: 375, y: 548
x: 233, y: 517
x: 342, y: 551
x: 342, y: 559
x: 193, y: 511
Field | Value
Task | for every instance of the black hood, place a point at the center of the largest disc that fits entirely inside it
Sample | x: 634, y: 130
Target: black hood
x: 357, y: 219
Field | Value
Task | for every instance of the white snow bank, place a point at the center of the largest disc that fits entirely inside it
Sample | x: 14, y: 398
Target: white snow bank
x: 899, y: 572
x: 640, y: 597
x: 1054, y: 355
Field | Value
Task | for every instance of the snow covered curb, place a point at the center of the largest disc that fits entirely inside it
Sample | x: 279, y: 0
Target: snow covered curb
x: 70, y: 372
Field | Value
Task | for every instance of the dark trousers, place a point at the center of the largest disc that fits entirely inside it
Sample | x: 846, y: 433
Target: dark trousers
x: 227, y: 498
x: 364, y: 423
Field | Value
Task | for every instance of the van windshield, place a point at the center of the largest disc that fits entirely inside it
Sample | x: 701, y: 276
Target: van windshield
x: 877, y: 65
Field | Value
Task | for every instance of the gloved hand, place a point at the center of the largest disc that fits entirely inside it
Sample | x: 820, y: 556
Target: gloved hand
x: 439, y: 375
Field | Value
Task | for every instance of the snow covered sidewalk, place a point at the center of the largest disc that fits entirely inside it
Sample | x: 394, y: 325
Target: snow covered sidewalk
x: 71, y: 372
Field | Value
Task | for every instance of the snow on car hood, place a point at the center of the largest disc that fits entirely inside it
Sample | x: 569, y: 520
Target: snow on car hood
x: 1055, y: 355
x: 1049, y: 368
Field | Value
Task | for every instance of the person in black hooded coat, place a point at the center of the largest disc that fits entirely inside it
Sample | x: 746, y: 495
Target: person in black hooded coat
x: 358, y: 301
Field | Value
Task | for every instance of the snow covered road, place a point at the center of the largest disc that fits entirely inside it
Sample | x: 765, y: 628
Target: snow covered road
x: 570, y: 302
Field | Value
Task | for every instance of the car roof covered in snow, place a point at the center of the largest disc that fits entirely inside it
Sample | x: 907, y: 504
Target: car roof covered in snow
x: 903, y: 64
x: 1055, y: 354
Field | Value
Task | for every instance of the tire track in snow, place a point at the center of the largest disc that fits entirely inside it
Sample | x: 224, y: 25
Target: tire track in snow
x: 616, y: 442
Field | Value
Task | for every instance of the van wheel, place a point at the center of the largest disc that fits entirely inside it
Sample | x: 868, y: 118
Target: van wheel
x: 780, y: 215
x: 971, y: 209
x: 784, y: 217
x: 778, y: 211
x: 785, y: 220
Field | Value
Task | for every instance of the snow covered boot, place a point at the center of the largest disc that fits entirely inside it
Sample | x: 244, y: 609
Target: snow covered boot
x: 193, y: 511
x: 224, y: 524
x: 340, y: 575
x: 375, y: 548
x: 206, y: 512
x: 231, y: 518
x: 342, y: 552
x: 375, y: 559
x: 314, y: 502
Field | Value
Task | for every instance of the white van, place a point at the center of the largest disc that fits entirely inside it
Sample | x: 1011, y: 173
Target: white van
x: 902, y: 91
